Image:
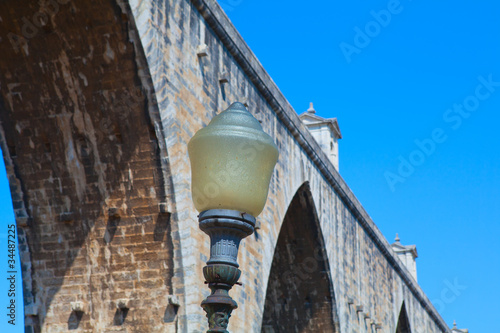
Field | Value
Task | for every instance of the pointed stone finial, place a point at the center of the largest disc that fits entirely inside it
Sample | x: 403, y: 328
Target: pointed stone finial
x: 311, y: 108
x: 397, y: 238
x: 454, y: 324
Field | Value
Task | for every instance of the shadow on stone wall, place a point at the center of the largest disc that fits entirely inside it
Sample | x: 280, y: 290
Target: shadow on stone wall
x: 299, y: 295
x: 83, y: 149
x: 403, y: 322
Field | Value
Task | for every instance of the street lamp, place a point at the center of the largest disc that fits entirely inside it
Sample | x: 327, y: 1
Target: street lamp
x: 232, y: 160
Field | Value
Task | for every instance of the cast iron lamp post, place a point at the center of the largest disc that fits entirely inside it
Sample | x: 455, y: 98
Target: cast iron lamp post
x: 232, y: 160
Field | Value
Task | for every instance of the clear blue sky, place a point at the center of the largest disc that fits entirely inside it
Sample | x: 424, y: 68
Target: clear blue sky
x: 397, y: 85
x: 397, y: 88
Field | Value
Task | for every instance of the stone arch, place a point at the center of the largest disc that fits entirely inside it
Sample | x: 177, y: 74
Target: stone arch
x: 86, y: 157
x: 403, y: 325
x: 300, y: 295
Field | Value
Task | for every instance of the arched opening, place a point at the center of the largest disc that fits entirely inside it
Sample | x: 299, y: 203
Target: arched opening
x: 403, y: 322
x: 299, y: 295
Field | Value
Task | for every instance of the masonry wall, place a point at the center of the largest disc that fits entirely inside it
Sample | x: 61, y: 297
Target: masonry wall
x: 83, y: 159
x: 97, y: 109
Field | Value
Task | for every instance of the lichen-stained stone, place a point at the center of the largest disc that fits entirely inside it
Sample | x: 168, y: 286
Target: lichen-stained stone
x: 98, y: 100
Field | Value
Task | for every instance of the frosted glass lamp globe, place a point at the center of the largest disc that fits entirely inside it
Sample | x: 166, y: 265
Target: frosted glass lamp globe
x: 232, y: 160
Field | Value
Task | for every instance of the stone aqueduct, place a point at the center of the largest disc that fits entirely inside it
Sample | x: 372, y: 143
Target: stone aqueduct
x: 98, y: 101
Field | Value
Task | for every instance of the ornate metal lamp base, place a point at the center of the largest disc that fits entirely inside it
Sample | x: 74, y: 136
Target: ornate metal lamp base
x: 226, y: 229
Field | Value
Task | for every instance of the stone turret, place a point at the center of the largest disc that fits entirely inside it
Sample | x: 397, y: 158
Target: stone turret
x: 407, y: 254
x: 325, y: 131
